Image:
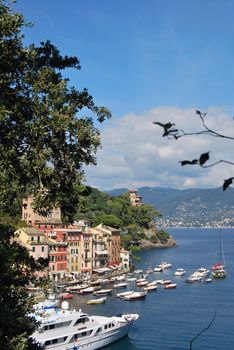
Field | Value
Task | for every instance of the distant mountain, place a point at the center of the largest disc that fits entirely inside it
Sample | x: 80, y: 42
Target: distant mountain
x: 189, y: 207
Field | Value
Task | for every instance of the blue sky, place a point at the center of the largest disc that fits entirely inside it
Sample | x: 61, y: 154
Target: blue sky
x: 145, y: 59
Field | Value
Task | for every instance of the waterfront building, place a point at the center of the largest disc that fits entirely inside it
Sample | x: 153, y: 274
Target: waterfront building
x: 111, y: 237
x: 124, y: 259
x: 36, y: 243
x: 57, y: 259
x: 34, y: 240
x: 100, y: 252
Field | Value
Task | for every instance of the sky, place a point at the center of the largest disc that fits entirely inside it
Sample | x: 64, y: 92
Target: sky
x: 151, y: 60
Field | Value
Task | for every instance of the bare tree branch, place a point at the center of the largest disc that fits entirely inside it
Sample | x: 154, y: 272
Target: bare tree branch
x: 202, y: 331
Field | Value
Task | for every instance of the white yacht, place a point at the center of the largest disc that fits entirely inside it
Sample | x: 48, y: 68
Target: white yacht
x: 63, y: 329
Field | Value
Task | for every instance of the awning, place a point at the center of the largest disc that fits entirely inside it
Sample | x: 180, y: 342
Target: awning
x: 102, y: 252
x: 102, y: 270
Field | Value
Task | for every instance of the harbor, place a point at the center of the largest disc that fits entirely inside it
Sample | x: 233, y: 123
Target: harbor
x: 178, y: 314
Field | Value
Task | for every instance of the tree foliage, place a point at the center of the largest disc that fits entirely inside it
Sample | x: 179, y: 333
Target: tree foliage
x: 171, y: 132
x: 46, y: 138
x: 47, y: 135
x: 17, y: 269
x: 100, y: 206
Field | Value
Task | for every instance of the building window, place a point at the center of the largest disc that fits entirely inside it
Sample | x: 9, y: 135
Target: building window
x: 42, y: 249
x: 33, y: 249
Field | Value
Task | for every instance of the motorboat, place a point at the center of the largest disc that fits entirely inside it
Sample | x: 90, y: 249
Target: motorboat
x: 135, y: 296
x: 153, y: 283
x: 165, y: 265
x: 139, y: 280
x: 142, y: 284
x: 192, y: 279
x: 202, y: 272
x: 96, y: 301
x: 170, y: 286
x: 123, y: 294
x: 120, y: 285
x: 166, y: 282
x: 150, y: 288
x: 88, y: 290
x: 158, y: 269
x: 179, y: 272
x: 103, y: 292
x: 137, y: 272
x: 46, y: 304
x: 63, y: 329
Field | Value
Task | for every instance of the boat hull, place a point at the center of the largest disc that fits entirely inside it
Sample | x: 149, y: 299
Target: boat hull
x: 96, y: 342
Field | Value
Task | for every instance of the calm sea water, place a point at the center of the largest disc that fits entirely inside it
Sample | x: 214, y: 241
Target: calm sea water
x: 169, y: 319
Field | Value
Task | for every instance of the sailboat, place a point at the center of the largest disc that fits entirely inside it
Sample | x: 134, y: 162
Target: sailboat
x: 218, y: 269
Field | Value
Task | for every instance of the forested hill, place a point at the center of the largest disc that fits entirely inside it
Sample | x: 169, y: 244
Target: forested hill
x: 190, y: 207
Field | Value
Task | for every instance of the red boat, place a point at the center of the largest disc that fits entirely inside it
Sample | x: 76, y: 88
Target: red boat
x: 66, y: 296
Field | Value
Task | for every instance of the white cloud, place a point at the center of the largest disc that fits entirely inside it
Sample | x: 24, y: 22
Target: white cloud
x: 135, y: 154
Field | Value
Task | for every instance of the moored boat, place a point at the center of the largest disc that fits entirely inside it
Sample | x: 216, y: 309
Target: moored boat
x: 179, y: 272
x: 150, y: 288
x: 103, y: 292
x: 123, y: 294
x: 165, y: 265
x: 64, y: 329
x: 96, y: 301
x: 170, y: 286
x: 120, y: 285
x: 66, y: 296
x: 158, y: 269
x: 135, y: 296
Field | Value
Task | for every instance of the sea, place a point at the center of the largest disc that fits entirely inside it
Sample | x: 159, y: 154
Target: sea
x: 173, y: 319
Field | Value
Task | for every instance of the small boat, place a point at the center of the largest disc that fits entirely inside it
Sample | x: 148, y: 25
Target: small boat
x: 165, y: 265
x: 103, y: 292
x: 148, y: 271
x: 46, y: 304
x: 153, y: 283
x: 66, y: 296
x: 135, y: 296
x: 193, y: 279
x: 137, y: 272
x: 96, y: 301
x: 170, y: 286
x: 142, y: 284
x: 159, y: 281
x: 139, y: 280
x: 208, y: 280
x: 88, y: 290
x: 123, y: 294
x: 158, y: 269
x: 120, y: 285
x: 131, y: 279
x: 180, y: 272
x: 150, y: 288
x: 166, y: 282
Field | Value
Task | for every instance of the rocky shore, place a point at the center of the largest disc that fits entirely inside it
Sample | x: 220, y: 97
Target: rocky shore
x: 145, y: 243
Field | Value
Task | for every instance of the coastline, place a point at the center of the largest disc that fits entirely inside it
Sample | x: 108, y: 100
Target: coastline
x: 171, y: 243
